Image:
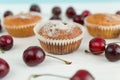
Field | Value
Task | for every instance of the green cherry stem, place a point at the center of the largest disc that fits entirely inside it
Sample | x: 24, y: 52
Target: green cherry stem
x: 65, y: 61
x: 40, y: 75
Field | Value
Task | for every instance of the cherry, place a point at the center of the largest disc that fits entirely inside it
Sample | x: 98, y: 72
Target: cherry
x: 78, y: 19
x: 6, y: 42
x: 97, y: 45
x: 85, y: 13
x: 4, y: 68
x: 82, y: 75
x: 8, y: 13
x: 0, y: 27
x: 112, y: 52
x: 55, y: 18
x: 56, y: 11
x: 35, y: 8
x: 70, y: 12
x: 118, y: 12
x: 79, y: 75
x: 35, y: 55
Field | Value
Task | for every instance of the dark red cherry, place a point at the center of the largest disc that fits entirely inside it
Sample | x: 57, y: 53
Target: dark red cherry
x: 4, y: 68
x: 82, y: 75
x: 35, y: 8
x: 8, y: 13
x: 85, y: 13
x: 55, y: 18
x: 118, y: 12
x: 56, y: 11
x: 112, y: 52
x: 97, y: 45
x: 6, y: 42
x: 33, y: 55
x: 78, y: 19
x: 70, y: 12
x: 0, y: 26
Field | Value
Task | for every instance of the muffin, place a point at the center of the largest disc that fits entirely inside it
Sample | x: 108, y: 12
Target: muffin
x: 21, y: 25
x: 59, y: 37
x: 103, y: 25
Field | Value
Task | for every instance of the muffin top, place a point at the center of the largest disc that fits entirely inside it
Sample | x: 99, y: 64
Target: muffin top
x: 21, y: 19
x: 104, y: 19
x: 60, y: 30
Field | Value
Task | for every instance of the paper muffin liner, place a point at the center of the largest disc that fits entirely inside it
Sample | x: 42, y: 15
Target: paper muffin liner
x: 22, y: 31
x: 58, y: 46
x: 107, y: 32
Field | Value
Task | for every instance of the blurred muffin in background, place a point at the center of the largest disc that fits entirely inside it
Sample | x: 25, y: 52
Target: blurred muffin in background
x: 103, y: 25
x: 21, y: 25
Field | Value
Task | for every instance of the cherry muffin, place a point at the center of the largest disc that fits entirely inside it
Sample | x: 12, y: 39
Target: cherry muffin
x: 103, y: 25
x: 21, y: 25
x: 59, y: 37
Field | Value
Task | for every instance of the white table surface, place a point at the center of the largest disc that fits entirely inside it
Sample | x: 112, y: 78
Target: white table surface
x: 99, y: 66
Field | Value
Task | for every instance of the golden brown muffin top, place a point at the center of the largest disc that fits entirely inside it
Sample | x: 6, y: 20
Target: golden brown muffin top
x: 21, y: 19
x: 104, y: 19
x: 60, y: 31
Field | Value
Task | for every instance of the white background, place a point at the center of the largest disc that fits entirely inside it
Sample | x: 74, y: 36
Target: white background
x: 99, y: 66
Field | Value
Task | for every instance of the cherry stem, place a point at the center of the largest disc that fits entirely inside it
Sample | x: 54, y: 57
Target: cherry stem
x: 65, y: 61
x: 40, y: 75
x: 2, y: 51
x: 86, y: 51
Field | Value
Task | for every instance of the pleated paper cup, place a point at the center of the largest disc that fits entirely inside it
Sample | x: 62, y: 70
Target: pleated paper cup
x: 107, y: 32
x: 22, y: 30
x: 58, y: 46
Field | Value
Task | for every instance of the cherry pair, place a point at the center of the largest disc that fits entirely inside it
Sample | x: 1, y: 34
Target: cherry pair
x: 80, y: 18
x: 98, y: 46
x: 71, y: 13
x: 6, y: 43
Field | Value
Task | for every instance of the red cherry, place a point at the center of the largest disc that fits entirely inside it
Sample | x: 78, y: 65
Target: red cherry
x: 118, y: 12
x: 86, y: 13
x: 97, y: 45
x: 6, y: 42
x: 33, y: 56
x: 8, y: 13
x: 78, y: 19
x: 82, y: 75
x: 56, y: 11
x: 70, y: 12
x: 4, y: 68
x: 112, y: 52
x: 35, y: 8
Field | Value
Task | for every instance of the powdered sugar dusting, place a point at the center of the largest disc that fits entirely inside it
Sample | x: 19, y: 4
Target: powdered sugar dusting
x: 112, y: 17
x: 24, y: 15
x: 53, y: 28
